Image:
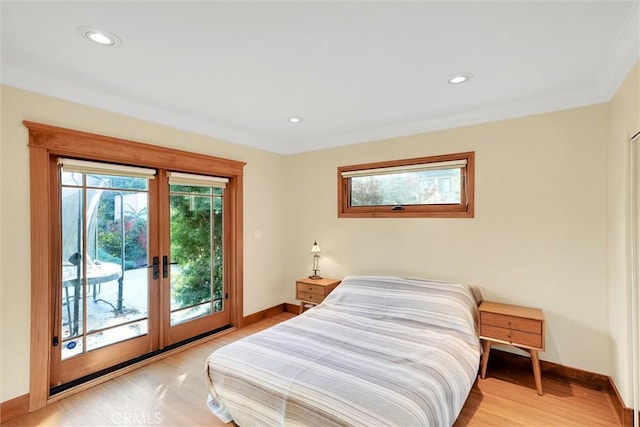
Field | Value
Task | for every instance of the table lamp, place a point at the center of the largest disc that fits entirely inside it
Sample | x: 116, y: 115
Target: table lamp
x: 315, y: 251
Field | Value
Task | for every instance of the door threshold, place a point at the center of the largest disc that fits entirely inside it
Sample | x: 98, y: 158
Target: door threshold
x: 72, y: 387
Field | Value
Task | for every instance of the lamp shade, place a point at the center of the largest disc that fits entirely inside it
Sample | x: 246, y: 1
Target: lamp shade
x: 315, y: 249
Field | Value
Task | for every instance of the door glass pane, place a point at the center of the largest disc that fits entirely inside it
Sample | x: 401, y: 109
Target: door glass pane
x: 196, y: 252
x: 72, y: 265
x: 104, y: 257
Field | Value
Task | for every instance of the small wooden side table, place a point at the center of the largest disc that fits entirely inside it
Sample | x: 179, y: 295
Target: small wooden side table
x: 313, y: 291
x: 522, y: 327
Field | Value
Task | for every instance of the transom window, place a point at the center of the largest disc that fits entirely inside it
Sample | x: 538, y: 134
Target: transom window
x: 437, y: 186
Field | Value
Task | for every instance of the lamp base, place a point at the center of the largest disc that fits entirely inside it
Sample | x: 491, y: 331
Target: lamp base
x: 315, y: 277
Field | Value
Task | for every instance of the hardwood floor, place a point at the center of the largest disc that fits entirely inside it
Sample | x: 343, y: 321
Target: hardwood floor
x: 505, y: 398
x: 172, y: 392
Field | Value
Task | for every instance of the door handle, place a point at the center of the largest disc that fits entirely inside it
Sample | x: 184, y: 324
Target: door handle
x: 155, y: 266
x: 165, y: 266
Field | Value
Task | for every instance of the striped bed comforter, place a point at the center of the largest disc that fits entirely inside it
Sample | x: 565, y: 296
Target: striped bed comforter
x: 378, y: 351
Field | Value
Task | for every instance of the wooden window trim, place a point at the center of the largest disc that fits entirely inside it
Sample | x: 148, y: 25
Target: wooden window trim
x: 47, y: 142
x: 463, y: 210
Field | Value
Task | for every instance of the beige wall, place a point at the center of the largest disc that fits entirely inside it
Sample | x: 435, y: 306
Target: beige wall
x: 624, y: 123
x: 544, y: 217
x: 539, y: 236
x: 263, y: 191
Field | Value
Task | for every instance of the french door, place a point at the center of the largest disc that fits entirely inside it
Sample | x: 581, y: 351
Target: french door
x: 129, y: 257
x: 142, y: 263
x: 105, y: 307
x: 194, y: 268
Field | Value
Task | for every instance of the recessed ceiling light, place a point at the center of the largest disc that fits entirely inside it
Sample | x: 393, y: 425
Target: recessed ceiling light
x: 294, y: 119
x: 99, y: 36
x: 456, y: 79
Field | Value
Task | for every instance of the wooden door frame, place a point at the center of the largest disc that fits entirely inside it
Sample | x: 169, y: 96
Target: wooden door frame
x: 46, y: 142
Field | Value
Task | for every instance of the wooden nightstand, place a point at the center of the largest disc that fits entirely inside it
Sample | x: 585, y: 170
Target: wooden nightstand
x: 313, y: 291
x: 522, y: 327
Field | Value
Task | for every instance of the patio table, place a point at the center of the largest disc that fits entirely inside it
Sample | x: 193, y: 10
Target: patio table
x: 98, y: 272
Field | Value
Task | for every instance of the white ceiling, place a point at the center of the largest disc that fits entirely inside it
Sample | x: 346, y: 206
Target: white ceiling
x: 355, y: 71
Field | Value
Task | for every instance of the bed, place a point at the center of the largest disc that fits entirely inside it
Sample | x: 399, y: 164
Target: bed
x: 377, y: 351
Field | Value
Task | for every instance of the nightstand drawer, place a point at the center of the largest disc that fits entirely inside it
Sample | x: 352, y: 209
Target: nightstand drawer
x: 532, y: 326
x: 511, y: 336
x: 313, y: 291
x: 308, y: 296
x: 307, y: 288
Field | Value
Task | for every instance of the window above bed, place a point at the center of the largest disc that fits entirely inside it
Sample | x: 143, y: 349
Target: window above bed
x: 437, y: 186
